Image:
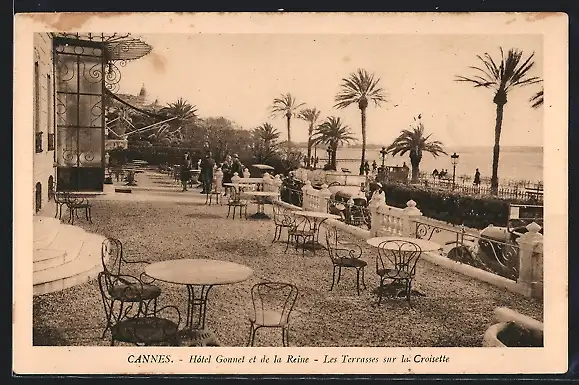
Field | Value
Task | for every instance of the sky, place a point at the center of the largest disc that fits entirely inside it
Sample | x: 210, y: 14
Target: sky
x: 237, y: 76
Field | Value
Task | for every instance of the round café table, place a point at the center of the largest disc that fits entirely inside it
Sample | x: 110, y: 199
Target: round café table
x: 199, y: 276
x: 424, y: 244
x: 261, y: 198
x: 315, y: 219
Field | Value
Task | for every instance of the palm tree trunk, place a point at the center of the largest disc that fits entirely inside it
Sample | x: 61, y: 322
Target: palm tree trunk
x: 496, y: 150
x: 289, y: 138
x: 334, y: 156
x: 363, y: 160
x: 309, y: 145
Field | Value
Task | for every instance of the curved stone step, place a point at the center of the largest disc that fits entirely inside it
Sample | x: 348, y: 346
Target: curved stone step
x: 47, y: 258
x: 85, y: 266
x: 44, y: 230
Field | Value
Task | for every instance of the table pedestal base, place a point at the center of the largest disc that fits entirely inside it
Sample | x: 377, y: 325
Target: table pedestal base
x: 198, y: 337
x: 260, y: 215
x: 313, y: 245
x: 396, y: 290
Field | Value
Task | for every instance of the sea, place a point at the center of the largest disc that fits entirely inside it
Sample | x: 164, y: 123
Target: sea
x: 515, y: 163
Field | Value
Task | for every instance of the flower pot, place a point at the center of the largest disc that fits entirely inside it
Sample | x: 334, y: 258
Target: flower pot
x: 513, y: 329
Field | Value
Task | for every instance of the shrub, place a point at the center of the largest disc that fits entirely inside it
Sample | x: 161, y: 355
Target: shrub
x: 471, y: 211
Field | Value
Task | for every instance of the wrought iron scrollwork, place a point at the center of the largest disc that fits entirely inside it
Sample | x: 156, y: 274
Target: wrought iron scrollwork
x: 423, y: 229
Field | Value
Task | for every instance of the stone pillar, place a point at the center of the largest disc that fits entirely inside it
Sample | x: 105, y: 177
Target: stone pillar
x: 531, y: 261
x: 325, y: 195
x: 246, y: 173
x: 305, y: 195
x: 411, y: 212
x: 378, y: 200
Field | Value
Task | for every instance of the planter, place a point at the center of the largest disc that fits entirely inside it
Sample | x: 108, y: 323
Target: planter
x: 513, y: 329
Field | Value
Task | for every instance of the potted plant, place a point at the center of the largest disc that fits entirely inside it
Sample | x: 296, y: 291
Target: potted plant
x: 512, y: 329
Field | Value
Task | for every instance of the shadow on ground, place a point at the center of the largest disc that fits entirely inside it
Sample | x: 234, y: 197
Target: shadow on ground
x: 204, y: 216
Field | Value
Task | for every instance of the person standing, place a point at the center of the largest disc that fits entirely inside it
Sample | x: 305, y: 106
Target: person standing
x: 236, y: 167
x: 207, y: 166
x: 477, y: 178
x: 374, y: 166
x: 185, y: 170
x: 226, y: 167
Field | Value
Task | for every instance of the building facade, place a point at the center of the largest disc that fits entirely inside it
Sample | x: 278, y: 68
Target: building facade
x: 44, y: 170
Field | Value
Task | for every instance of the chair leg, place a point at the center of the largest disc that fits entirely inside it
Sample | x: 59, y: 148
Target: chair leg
x: 408, y: 291
x: 275, y: 234
x: 358, y: 280
x: 285, y: 332
x: 253, y: 332
x: 333, y: 277
x: 250, y: 334
x: 363, y: 278
x: 287, y: 243
x: 90, y: 215
x: 339, y: 274
x: 380, y: 290
x: 228, y: 211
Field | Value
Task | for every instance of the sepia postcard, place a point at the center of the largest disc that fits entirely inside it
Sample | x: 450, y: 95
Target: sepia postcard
x: 290, y: 193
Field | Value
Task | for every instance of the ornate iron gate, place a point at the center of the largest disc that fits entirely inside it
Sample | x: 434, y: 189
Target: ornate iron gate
x: 79, y: 66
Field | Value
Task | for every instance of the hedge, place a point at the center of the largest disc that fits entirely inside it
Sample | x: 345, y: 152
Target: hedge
x: 471, y: 211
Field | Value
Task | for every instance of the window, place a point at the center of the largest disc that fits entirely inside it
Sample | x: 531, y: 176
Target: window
x: 49, y: 117
x: 37, y: 132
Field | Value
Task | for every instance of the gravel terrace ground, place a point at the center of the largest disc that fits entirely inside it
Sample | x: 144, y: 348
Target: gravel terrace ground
x: 164, y: 224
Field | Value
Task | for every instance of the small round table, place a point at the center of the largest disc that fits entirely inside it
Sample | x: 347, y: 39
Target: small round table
x: 424, y: 244
x: 317, y: 217
x: 261, y: 198
x: 201, y: 274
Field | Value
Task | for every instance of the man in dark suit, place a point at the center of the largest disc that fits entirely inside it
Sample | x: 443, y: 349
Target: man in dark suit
x: 207, y: 165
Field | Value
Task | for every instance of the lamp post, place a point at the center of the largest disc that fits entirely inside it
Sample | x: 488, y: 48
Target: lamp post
x: 454, y: 158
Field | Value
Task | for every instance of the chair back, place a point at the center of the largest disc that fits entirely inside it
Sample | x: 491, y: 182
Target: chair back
x: 146, y: 325
x: 282, y: 216
x: 273, y: 302
x: 401, y: 256
x: 112, y: 256
x: 332, y: 241
x: 338, y: 251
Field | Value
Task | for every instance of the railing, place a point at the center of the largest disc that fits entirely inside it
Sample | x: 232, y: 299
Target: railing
x: 38, y: 141
x: 516, y: 191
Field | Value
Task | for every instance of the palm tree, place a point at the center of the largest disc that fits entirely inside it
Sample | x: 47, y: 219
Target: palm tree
x: 286, y: 105
x: 184, y: 113
x: 360, y: 88
x: 264, y: 146
x: 415, y: 143
x: 333, y: 133
x: 537, y: 99
x: 511, y: 72
x: 310, y: 115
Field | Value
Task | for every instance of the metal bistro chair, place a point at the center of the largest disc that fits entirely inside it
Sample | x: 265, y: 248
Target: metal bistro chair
x: 75, y: 204
x: 302, y: 230
x: 216, y: 190
x: 144, y: 327
x: 396, y: 261
x: 282, y: 218
x: 344, y: 255
x: 273, y: 303
x: 60, y: 200
x: 235, y: 201
x: 118, y: 287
